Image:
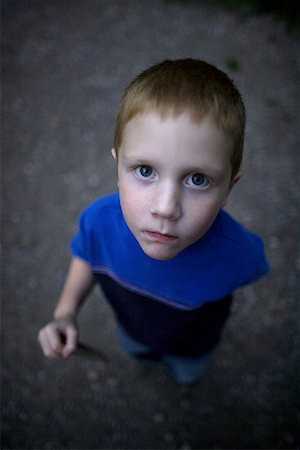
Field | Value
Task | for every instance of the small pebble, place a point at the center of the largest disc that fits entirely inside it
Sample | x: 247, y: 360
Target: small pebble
x: 184, y: 404
x: 186, y: 446
x: 169, y: 437
x: 92, y: 375
x: 112, y: 382
x: 158, y: 418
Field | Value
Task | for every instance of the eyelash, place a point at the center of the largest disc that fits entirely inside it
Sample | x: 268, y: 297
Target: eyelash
x: 138, y: 170
x: 206, y: 181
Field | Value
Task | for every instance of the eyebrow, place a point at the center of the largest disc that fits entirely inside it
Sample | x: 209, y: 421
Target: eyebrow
x: 138, y: 161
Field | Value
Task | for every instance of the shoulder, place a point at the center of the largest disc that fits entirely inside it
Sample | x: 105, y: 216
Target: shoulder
x: 103, y: 208
x: 99, y: 226
x: 233, y: 234
x: 241, y: 248
x: 106, y: 202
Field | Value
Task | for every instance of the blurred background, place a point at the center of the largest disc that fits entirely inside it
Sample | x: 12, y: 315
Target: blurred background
x: 64, y: 65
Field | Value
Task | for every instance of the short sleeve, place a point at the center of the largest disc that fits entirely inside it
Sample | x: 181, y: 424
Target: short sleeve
x: 262, y: 266
x: 80, y: 244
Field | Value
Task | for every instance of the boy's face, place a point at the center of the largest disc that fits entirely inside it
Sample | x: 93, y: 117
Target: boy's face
x: 174, y: 176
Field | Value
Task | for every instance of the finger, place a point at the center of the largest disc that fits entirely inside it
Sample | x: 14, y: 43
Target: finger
x: 71, y: 342
x: 54, y: 339
x: 46, y: 346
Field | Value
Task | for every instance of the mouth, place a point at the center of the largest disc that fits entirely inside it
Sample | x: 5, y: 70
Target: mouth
x: 159, y: 237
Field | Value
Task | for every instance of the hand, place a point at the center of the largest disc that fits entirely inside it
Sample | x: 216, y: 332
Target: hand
x: 58, y: 339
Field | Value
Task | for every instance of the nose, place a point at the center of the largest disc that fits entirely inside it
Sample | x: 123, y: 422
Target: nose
x: 166, y: 202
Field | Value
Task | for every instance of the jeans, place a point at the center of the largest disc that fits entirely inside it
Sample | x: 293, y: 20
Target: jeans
x: 185, y: 370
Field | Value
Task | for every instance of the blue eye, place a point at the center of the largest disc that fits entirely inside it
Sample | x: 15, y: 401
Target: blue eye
x: 144, y: 171
x: 197, y: 180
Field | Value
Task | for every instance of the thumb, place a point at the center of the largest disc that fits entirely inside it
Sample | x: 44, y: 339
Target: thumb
x: 71, y: 341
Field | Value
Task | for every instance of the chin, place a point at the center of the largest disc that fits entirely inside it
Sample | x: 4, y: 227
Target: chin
x: 160, y: 253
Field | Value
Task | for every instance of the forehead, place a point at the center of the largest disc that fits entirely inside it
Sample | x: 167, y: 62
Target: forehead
x: 150, y: 128
x: 175, y: 139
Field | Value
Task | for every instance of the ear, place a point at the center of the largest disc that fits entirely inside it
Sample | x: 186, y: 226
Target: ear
x: 234, y: 180
x: 114, y: 155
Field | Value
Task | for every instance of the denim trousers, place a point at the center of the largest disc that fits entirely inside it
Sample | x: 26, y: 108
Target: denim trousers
x: 185, y: 370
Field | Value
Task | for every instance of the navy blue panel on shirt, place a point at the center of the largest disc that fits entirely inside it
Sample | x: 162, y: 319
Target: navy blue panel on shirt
x: 163, y: 328
x: 227, y: 257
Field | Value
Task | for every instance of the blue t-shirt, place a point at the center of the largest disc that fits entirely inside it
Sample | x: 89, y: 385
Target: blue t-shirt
x: 149, y: 291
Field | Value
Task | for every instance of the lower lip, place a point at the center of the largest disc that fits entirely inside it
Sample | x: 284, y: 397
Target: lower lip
x: 157, y: 237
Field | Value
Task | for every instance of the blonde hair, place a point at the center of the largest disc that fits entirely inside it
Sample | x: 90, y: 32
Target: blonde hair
x: 174, y: 86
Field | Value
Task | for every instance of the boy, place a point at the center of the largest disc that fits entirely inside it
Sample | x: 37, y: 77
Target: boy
x: 164, y: 252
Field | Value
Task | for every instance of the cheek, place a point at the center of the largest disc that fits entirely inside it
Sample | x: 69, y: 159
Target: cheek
x: 132, y: 194
x: 130, y: 202
x: 202, y: 216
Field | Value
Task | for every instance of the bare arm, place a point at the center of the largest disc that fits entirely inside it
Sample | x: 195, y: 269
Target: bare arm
x: 59, y: 337
x: 77, y: 286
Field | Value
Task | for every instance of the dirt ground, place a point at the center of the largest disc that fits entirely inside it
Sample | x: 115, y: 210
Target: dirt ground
x: 65, y: 63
